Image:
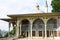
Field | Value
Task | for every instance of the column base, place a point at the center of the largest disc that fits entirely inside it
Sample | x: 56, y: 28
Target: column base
x: 21, y: 36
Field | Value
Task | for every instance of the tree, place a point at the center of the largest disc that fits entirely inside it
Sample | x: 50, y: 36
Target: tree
x: 0, y: 35
x: 12, y: 32
x: 55, y: 5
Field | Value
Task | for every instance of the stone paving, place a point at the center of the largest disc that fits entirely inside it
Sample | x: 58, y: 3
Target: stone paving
x: 35, y: 38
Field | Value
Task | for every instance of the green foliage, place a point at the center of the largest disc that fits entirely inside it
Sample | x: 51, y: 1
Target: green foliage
x: 55, y: 5
x: 12, y: 32
x: 6, y: 35
x: 0, y: 35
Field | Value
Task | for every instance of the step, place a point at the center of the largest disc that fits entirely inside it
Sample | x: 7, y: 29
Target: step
x: 38, y: 38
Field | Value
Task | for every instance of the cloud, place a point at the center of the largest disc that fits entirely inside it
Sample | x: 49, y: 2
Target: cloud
x: 3, y: 25
x: 14, y: 6
x: 19, y: 6
x: 49, y: 5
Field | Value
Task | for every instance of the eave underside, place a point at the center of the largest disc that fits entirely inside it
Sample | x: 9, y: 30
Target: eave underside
x: 15, y: 16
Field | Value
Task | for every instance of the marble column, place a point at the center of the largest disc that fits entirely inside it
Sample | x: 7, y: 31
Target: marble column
x: 9, y: 29
x: 45, y: 21
x: 45, y: 31
x: 31, y: 28
x: 20, y: 29
x: 58, y: 24
x: 17, y: 29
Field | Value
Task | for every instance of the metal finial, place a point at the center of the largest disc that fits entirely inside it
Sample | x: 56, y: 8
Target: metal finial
x: 47, y: 6
x: 37, y: 6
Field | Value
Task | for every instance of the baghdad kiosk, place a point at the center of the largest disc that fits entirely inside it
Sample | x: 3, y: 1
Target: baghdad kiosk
x: 35, y: 26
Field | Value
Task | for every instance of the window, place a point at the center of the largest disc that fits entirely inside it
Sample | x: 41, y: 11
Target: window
x: 52, y: 23
x: 55, y: 24
x: 40, y: 33
x: 38, y: 24
x: 55, y: 33
x: 33, y: 33
x: 47, y: 33
x: 27, y: 34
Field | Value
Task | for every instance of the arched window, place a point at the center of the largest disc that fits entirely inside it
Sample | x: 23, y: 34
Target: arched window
x: 38, y: 24
x: 52, y: 23
x: 25, y: 27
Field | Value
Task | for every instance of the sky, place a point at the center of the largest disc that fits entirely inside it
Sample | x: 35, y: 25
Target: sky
x: 20, y: 7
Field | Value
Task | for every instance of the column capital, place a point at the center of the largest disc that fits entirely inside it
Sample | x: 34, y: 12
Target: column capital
x: 45, y: 21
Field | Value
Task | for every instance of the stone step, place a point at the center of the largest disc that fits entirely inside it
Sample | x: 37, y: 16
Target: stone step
x: 33, y: 38
x: 38, y: 38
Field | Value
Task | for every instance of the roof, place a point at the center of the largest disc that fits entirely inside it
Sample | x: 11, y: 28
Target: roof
x: 7, y: 19
x: 29, y: 14
x: 34, y: 14
x: 14, y: 16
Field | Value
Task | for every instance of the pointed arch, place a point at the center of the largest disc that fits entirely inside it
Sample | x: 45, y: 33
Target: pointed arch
x: 38, y: 23
x: 52, y: 20
x: 25, y: 27
x: 52, y: 23
x: 38, y: 26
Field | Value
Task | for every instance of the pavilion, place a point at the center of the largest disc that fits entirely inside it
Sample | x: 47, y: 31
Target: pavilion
x: 42, y: 25
x: 35, y: 25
